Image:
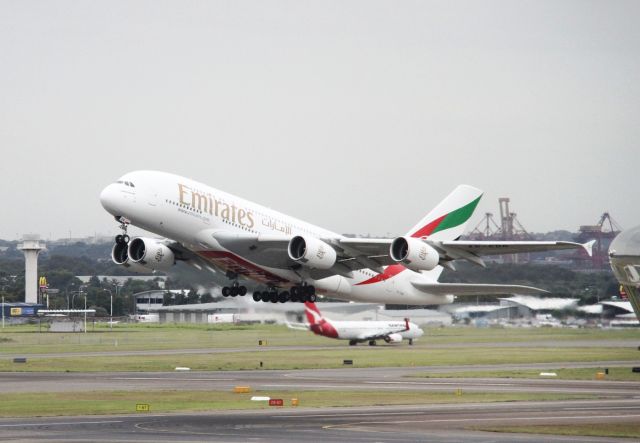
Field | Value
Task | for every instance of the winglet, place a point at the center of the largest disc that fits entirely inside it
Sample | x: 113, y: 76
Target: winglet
x: 406, y: 323
x: 588, y: 246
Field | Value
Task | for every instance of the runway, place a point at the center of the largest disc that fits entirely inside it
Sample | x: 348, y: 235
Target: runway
x: 319, y: 379
x: 446, y: 423
x: 622, y: 343
x: 608, y: 402
x: 438, y: 423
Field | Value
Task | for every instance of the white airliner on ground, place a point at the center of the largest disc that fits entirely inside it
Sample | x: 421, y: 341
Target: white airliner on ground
x: 359, y: 331
x: 291, y: 259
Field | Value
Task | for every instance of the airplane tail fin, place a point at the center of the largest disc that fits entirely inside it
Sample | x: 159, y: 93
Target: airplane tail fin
x: 449, y: 218
x: 313, y: 313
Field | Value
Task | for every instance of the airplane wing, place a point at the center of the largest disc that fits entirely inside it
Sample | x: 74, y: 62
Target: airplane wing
x: 367, y: 253
x: 271, y: 250
x: 377, y: 250
x: 475, y: 289
x: 472, y: 250
x: 382, y: 333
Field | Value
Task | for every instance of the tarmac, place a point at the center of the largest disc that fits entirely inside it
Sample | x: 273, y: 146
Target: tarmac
x: 608, y: 402
x: 617, y: 402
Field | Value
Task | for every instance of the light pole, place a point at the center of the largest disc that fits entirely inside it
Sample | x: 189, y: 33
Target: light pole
x: 73, y: 298
x: 85, y: 313
x: 111, y: 309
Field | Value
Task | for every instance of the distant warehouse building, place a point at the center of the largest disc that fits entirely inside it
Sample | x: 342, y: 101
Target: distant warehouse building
x: 512, y: 308
x: 239, y: 310
x: 528, y: 306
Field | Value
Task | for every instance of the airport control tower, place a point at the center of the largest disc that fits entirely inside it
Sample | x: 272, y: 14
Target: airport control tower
x: 31, y: 247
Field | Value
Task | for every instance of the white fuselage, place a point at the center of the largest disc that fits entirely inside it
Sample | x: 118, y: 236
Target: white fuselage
x: 354, y: 330
x: 188, y: 212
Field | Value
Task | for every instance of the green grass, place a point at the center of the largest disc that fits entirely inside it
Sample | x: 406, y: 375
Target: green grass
x: 615, y: 374
x: 629, y: 430
x: 457, y: 334
x: 124, y: 402
x: 26, y: 339
x: 321, y: 358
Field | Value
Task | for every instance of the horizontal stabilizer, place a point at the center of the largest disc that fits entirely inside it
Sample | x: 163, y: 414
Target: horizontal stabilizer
x: 475, y: 289
x: 298, y: 326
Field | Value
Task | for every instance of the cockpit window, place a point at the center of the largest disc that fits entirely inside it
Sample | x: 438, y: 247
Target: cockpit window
x: 126, y: 183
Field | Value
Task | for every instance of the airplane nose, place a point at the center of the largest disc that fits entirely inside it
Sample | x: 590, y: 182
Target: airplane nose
x: 108, y: 199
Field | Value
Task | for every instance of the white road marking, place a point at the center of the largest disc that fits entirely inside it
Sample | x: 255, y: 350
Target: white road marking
x: 458, y: 420
x: 61, y: 424
x: 311, y: 386
x: 435, y: 383
x: 360, y: 414
x: 601, y: 408
x: 172, y: 378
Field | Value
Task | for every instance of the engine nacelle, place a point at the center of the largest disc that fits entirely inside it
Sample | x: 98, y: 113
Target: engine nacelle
x: 393, y: 338
x: 312, y: 252
x: 151, y: 254
x: 414, y: 254
x: 120, y: 256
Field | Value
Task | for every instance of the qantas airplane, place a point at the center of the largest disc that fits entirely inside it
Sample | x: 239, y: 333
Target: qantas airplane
x: 289, y: 260
x: 360, y: 331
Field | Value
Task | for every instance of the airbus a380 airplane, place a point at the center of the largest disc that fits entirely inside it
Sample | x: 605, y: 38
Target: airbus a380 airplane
x: 291, y: 259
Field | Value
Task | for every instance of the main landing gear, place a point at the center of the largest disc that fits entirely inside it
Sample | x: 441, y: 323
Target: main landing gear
x: 299, y: 293
x: 234, y: 290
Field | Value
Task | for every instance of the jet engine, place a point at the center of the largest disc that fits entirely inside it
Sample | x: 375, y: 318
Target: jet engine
x: 312, y: 252
x: 393, y: 338
x: 151, y: 254
x: 414, y: 254
x: 120, y: 256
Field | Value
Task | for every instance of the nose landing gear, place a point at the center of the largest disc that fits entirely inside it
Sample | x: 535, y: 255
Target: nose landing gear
x: 124, y: 224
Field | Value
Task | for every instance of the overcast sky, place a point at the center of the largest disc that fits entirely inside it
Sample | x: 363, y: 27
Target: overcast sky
x: 358, y: 116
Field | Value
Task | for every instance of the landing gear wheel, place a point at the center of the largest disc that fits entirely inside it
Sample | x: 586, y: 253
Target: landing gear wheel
x: 242, y: 291
x: 352, y: 342
x: 119, y: 238
x: 410, y: 341
x: 125, y: 238
x: 372, y: 342
x: 234, y: 291
x: 311, y: 298
x: 295, y: 292
x: 266, y: 296
x: 257, y: 296
x: 226, y: 291
x: 283, y: 297
x: 293, y: 298
x: 273, y: 297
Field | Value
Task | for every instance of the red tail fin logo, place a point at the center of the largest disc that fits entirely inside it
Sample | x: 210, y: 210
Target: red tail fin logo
x: 313, y: 313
